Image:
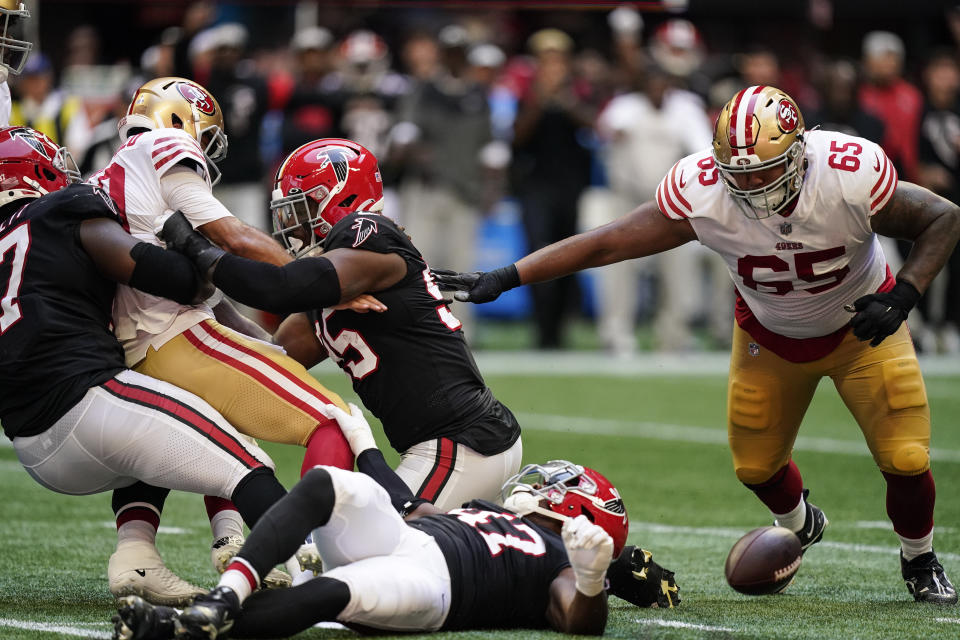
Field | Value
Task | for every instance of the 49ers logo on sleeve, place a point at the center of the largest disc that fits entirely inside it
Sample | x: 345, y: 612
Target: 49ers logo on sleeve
x: 787, y: 116
x: 200, y: 99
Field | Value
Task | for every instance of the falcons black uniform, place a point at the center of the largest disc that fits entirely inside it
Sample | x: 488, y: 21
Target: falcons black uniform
x: 55, y: 334
x: 410, y: 365
x: 501, y: 565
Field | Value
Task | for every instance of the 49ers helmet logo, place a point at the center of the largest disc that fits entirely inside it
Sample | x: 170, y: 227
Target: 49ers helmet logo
x: 787, y: 116
x: 194, y: 94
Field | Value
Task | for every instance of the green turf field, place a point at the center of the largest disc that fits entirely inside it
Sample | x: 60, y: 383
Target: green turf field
x: 657, y: 432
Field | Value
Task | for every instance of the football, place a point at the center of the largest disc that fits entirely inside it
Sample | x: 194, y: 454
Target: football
x: 763, y: 561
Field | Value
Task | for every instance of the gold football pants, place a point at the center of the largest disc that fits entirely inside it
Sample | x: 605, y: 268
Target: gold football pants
x: 882, y: 387
x: 261, y: 391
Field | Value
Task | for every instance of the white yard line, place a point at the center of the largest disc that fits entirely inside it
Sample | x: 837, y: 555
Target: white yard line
x: 676, y: 624
x: 684, y: 433
x: 50, y: 627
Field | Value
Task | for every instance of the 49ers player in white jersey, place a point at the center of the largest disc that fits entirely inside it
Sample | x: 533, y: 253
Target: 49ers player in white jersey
x: 173, y: 135
x: 13, y: 50
x: 795, y: 215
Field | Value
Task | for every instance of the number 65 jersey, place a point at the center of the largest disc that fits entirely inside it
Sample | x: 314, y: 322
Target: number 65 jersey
x: 794, y: 273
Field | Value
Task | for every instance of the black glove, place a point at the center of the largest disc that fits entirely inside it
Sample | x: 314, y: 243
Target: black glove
x: 180, y: 236
x: 636, y: 578
x: 478, y: 286
x: 880, y: 314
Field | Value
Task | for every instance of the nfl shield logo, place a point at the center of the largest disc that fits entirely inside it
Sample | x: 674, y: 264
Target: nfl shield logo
x: 754, y: 349
x: 785, y: 228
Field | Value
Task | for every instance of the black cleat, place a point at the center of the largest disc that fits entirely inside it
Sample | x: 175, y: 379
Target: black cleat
x: 813, y: 524
x: 926, y: 580
x: 210, y: 617
x: 137, y: 619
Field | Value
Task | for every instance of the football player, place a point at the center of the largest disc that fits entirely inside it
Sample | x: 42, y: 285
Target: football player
x: 81, y: 422
x: 795, y: 214
x: 173, y: 136
x: 13, y: 50
x: 410, y: 364
x: 539, y: 561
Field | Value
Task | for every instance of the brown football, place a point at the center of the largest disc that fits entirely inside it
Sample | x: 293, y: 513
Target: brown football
x: 764, y: 561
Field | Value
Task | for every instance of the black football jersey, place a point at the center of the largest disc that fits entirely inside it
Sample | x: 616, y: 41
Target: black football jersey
x: 410, y: 365
x: 55, y: 335
x: 501, y: 566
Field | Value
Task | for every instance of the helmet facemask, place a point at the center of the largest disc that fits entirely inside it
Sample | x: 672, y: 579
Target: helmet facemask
x: 13, y: 48
x: 772, y: 198
x: 297, y: 222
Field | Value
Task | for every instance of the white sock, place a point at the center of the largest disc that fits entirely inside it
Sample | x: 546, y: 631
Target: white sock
x: 242, y: 581
x: 913, y: 547
x: 226, y: 523
x: 794, y: 518
x: 136, y: 531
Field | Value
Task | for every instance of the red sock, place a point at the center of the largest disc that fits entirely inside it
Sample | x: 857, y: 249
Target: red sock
x: 138, y: 511
x: 781, y: 493
x: 216, y: 504
x: 910, y: 502
x: 327, y: 445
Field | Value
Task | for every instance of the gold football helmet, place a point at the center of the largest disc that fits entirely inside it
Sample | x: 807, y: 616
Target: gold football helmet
x: 180, y: 104
x: 760, y: 129
x: 13, y: 48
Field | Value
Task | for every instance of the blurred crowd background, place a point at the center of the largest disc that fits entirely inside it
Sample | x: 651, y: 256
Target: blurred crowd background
x: 504, y: 126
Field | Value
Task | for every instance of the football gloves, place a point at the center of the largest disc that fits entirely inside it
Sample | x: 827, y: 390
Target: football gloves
x: 879, y: 315
x: 636, y: 578
x: 590, y: 550
x: 478, y: 286
x: 180, y: 236
x: 355, y: 428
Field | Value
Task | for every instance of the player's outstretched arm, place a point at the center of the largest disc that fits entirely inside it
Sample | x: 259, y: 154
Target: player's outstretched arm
x: 642, y: 232
x: 245, y: 241
x: 578, y: 601
x: 124, y: 259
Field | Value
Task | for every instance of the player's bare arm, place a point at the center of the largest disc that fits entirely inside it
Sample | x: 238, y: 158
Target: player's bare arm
x: 570, y: 611
x: 124, y: 259
x: 243, y: 240
x: 932, y: 223
x: 362, y: 271
x: 227, y: 315
x: 295, y: 334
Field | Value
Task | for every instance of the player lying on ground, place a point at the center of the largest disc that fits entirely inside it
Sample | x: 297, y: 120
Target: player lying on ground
x: 410, y: 364
x: 80, y: 421
x: 795, y: 214
x: 541, y: 561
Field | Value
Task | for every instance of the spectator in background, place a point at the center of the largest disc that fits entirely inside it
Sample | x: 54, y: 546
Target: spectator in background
x: 939, y: 170
x: 841, y: 111
x: 243, y: 98
x: 444, y: 126
x: 38, y: 104
x: 313, y: 110
x: 550, y: 169
x: 895, y: 101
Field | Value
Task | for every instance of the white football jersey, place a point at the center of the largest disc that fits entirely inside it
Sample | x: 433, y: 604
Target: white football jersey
x: 6, y: 104
x: 795, y: 272
x: 133, y: 181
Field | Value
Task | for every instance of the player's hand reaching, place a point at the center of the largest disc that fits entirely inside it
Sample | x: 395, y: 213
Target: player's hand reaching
x: 879, y: 315
x: 478, y: 286
x: 355, y: 428
x: 180, y: 236
x: 590, y: 550
x: 636, y: 578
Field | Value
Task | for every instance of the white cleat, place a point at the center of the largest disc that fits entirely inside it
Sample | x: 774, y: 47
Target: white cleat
x: 222, y: 552
x: 136, y: 569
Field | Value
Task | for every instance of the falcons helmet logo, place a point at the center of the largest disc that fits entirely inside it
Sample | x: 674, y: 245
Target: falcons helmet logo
x: 365, y: 228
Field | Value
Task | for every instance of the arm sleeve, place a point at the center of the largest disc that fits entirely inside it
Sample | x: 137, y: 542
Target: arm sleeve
x: 372, y: 463
x: 163, y: 273
x: 308, y: 283
x: 184, y: 189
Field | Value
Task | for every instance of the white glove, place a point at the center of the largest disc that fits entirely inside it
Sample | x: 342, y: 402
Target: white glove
x: 590, y: 550
x: 354, y: 427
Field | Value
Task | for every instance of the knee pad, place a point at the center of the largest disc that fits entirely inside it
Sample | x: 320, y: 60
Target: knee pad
x: 909, y: 459
x: 753, y: 476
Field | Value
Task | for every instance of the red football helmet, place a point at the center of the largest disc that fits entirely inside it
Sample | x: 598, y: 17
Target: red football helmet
x: 569, y: 490
x: 32, y: 165
x: 339, y: 176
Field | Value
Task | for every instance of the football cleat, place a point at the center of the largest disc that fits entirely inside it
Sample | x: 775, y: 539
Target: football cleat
x: 136, y: 569
x: 926, y: 579
x: 636, y: 578
x: 211, y: 616
x: 813, y: 524
x: 137, y: 619
x: 222, y: 552
x: 309, y: 558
